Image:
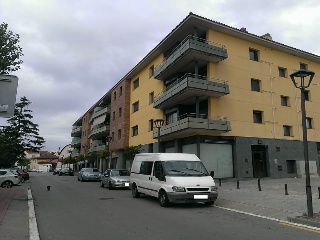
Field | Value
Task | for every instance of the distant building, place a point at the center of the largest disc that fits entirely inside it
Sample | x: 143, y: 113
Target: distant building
x: 41, y: 161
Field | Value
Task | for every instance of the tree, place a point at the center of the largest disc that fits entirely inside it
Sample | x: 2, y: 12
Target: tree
x: 130, y: 152
x: 21, y: 134
x: 10, y: 51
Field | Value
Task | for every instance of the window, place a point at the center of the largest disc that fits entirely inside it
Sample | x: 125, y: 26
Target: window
x: 151, y: 125
x: 151, y: 97
x: 114, y: 115
x: 120, y: 91
x: 145, y: 168
x: 254, y: 54
x: 114, y: 95
x: 282, y: 72
x: 287, y: 130
x: 255, y: 85
x: 135, y: 106
x: 119, y: 134
x: 120, y: 112
x: 135, y: 83
x: 284, y: 101
x: 303, y: 66
x: 309, y: 123
x: 306, y: 95
x: 257, y: 116
x: 135, y: 130
x: 151, y: 71
x: 291, y: 166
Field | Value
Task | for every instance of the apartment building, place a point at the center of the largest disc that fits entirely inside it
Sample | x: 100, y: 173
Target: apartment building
x: 225, y: 95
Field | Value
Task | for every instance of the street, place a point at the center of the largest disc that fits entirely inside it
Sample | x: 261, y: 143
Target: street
x: 83, y: 210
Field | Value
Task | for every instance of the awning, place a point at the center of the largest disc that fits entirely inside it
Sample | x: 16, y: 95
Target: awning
x: 55, y: 160
x: 99, y: 120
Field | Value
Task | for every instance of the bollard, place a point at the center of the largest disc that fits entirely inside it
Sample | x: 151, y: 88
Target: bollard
x: 259, y: 185
x: 219, y: 182
x: 238, y: 187
x: 286, y: 189
x: 319, y: 192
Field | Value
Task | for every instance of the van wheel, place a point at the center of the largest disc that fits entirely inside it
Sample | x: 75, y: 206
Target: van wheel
x: 163, y: 199
x: 135, y: 192
x: 209, y: 203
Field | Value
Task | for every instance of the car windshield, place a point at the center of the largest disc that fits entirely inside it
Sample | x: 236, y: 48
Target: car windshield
x: 117, y: 173
x: 184, y: 168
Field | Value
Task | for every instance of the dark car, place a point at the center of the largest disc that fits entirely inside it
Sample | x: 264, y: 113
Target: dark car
x: 66, y: 171
x: 56, y: 171
x: 22, y: 173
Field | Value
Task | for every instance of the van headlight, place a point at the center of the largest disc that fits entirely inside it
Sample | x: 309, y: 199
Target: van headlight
x: 214, y: 189
x: 178, y: 189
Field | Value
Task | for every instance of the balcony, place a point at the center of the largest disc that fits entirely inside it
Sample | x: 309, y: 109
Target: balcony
x: 75, y: 141
x: 76, y: 131
x: 99, y: 112
x: 187, y: 88
x: 189, y: 124
x: 97, y: 148
x: 99, y: 131
x: 190, y: 49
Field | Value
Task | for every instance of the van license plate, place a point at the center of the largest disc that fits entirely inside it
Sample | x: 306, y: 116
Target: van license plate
x: 200, y: 196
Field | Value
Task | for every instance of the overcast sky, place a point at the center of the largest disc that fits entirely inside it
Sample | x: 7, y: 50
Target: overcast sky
x: 76, y: 50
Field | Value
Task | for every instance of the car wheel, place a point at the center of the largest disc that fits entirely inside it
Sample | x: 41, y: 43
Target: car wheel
x: 209, y: 203
x: 163, y: 199
x: 7, y: 184
x: 135, y: 193
x: 78, y: 179
x: 101, y: 184
x: 81, y: 179
x: 110, y: 186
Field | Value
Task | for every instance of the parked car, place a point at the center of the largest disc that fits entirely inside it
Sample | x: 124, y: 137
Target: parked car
x: 8, y: 178
x: 24, y: 174
x: 89, y: 174
x: 56, y: 171
x: 66, y: 171
x: 115, y: 178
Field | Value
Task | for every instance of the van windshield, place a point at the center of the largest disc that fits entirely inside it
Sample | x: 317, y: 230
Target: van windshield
x: 184, y: 168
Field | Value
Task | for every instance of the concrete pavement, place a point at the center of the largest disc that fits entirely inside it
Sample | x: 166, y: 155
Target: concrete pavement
x: 271, y: 202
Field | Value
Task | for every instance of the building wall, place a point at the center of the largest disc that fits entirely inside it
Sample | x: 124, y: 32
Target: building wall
x: 85, y: 142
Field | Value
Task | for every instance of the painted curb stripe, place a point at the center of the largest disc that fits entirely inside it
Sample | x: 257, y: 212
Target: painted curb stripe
x: 33, y: 227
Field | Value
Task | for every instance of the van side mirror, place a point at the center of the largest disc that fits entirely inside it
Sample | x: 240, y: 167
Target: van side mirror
x: 212, y: 174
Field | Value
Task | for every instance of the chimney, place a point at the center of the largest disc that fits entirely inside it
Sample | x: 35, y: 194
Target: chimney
x: 243, y: 29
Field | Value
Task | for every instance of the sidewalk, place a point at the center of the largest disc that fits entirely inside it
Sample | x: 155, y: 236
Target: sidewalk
x: 14, y: 212
x: 271, y: 201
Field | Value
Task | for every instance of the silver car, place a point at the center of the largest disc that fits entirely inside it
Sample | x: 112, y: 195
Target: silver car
x: 115, y: 178
x: 89, y: 174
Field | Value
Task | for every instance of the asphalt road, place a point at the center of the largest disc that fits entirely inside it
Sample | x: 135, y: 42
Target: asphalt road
x: 83, y: 210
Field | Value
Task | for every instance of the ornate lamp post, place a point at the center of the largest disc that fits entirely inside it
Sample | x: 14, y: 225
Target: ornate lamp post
x: 158, y: 123
x: 302, y: 79
x: 108, y: 140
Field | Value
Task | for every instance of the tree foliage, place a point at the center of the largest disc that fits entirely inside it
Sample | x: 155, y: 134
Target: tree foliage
x: 130, y: 152
x: 20, y: 135
x: 10, y: 51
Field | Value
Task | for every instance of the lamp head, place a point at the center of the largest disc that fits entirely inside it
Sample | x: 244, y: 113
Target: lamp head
x: 300, y: 75
x: 158, y: 123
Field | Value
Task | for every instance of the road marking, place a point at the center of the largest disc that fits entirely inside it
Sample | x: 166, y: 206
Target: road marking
x: 282, y: 222
x: 33, y: 227
x: 301, y: 227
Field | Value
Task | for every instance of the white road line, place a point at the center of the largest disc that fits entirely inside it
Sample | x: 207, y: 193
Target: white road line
x: 33, y: 226
x: 269, y: 218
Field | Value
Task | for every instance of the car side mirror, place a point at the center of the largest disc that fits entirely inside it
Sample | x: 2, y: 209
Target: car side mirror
x: 212, y: 174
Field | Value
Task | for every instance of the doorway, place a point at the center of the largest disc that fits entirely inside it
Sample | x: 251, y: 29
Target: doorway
x: 259, y: 161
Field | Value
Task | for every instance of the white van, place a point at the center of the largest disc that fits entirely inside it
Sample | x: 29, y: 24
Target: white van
x: 172, y: 178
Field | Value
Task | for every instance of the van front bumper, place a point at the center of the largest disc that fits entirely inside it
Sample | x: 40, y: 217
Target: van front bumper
x: 187, y: 197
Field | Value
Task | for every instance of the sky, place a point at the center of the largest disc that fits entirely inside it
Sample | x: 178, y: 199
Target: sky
x: 75, y: 51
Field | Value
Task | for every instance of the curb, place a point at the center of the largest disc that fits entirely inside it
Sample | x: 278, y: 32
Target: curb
x: 304, y: 221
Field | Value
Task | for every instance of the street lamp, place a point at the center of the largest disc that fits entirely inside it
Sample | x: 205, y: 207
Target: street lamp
x: 301, y: 81
x: 108, y: 140
x: 158, y: 123
x: 70, y: 152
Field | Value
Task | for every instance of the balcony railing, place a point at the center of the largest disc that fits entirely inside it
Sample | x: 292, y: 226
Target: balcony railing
x: 189, y: 124
x: 75, y: 141
x: 201, y: 49
x: 99, y: 113
x: 97, y: 148
x: 189, y: 86
x: 76, y: 130
x: 98, y: 130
